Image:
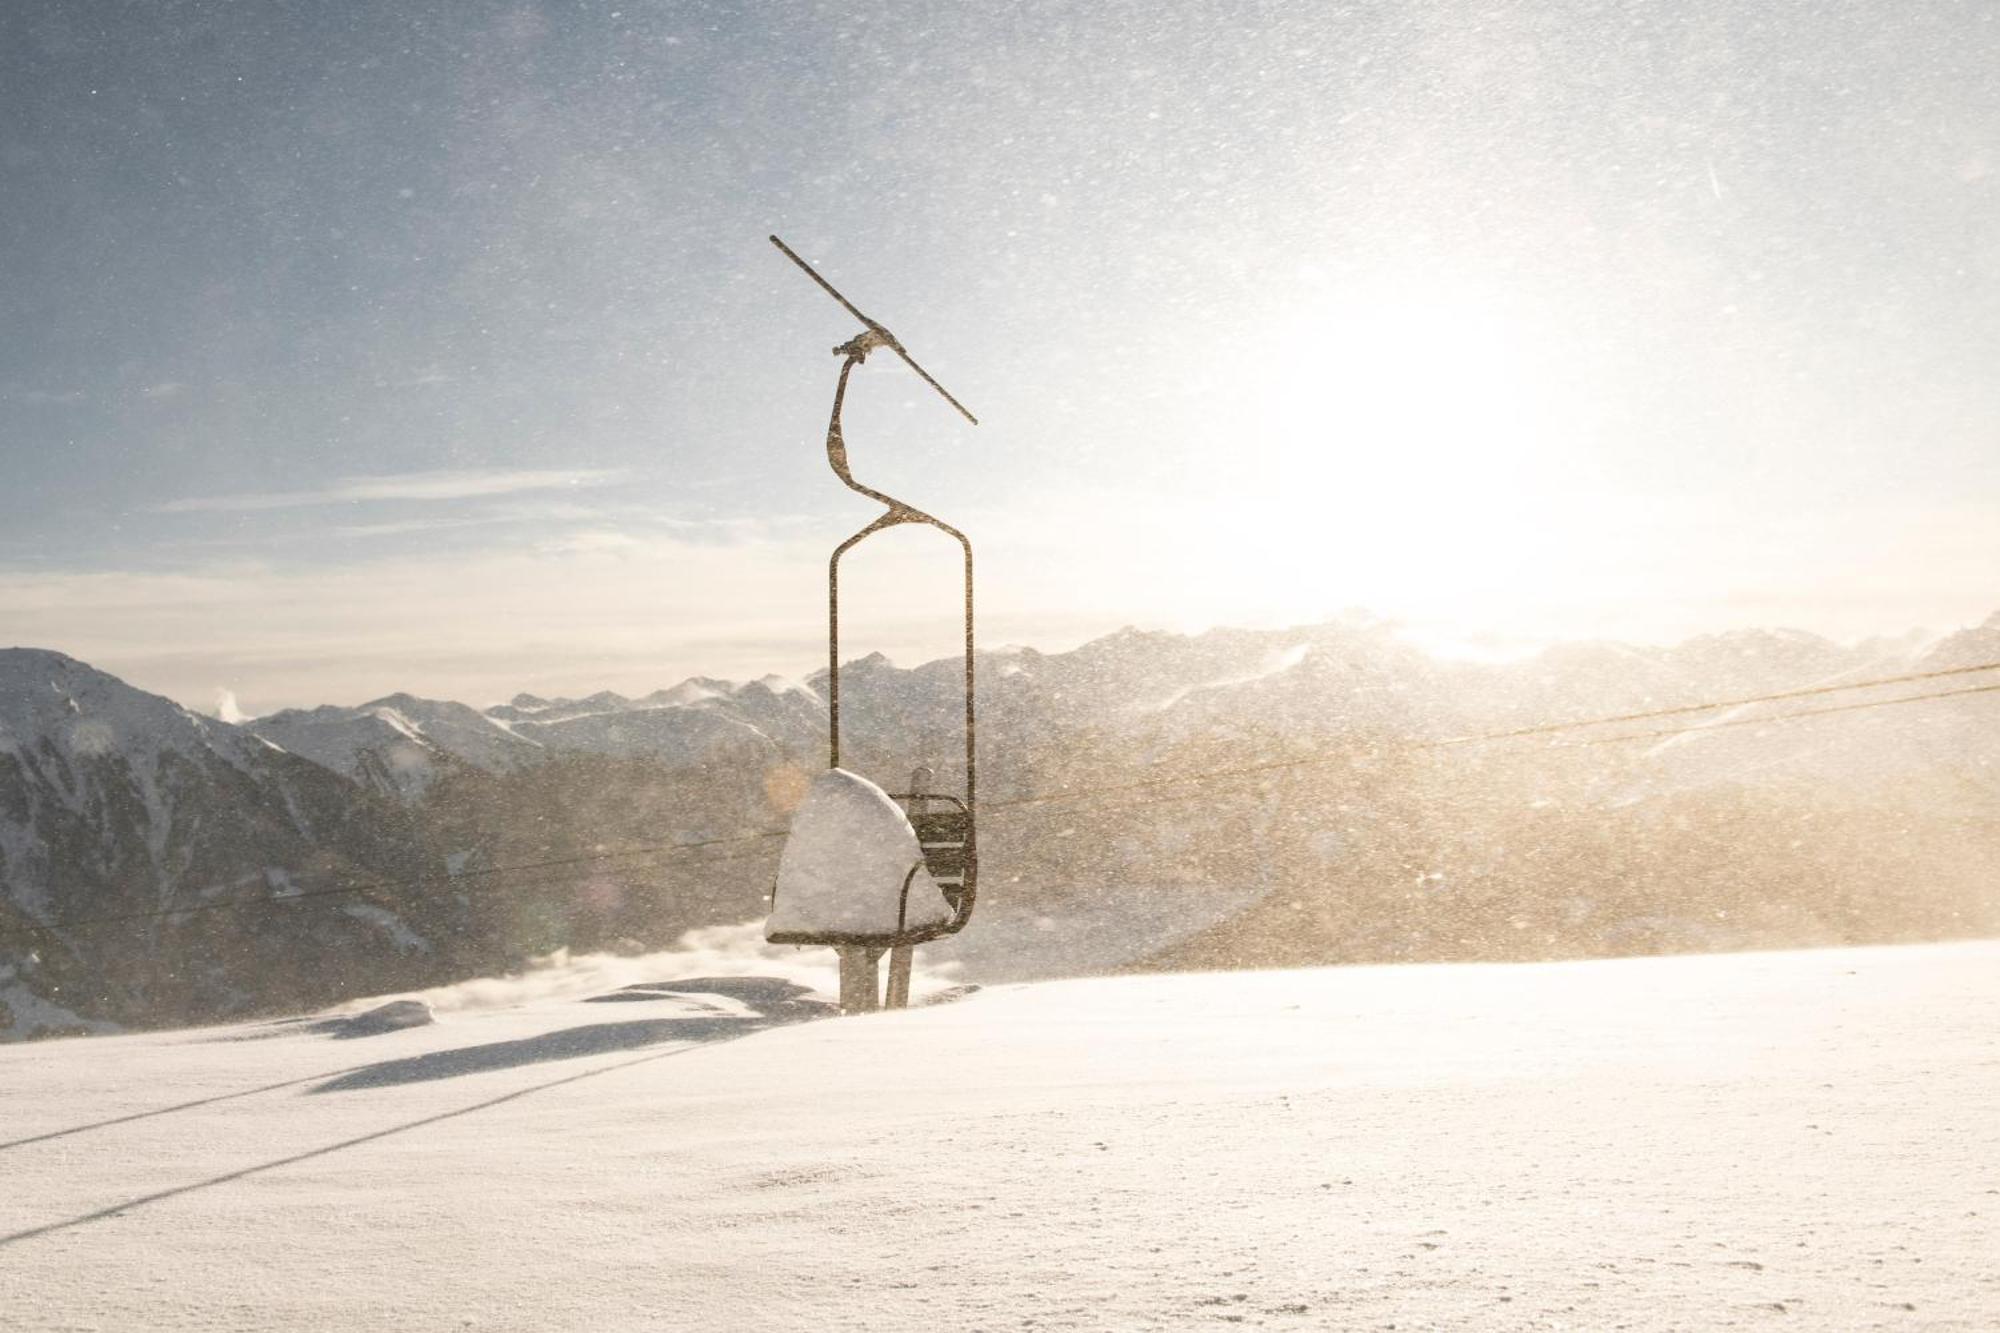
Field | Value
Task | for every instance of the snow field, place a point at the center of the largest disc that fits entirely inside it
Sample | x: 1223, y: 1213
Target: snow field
x: 1758, y: 1140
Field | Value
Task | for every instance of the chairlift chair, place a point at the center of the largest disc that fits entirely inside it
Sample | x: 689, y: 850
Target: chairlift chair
x: 944, y: 822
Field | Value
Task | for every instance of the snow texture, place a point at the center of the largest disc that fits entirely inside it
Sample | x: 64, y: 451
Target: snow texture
x: 1751, y: 1140
x: 845, y: 866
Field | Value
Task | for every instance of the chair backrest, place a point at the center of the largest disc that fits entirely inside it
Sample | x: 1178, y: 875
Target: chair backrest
x: 951, y: 850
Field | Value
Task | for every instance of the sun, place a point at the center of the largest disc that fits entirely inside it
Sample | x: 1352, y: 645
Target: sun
x: 1394, y: 443
x: 1409, y: 395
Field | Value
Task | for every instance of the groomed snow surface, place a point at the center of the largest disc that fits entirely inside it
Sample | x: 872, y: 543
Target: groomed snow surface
x: 1751, y: 1141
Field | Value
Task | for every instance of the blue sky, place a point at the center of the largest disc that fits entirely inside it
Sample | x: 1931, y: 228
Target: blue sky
x: 362, y: 347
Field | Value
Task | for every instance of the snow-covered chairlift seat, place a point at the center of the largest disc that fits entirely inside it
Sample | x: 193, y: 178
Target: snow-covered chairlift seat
x: 855, y: 871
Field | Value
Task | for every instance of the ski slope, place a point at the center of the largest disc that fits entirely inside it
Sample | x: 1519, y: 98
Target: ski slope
x: 1755, y: 1141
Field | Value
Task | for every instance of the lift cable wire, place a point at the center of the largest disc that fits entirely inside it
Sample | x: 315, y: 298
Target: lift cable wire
x: 1722, y: 703
x: 1097, y: 791
x: 444, y: 880
x: 1321, y: 760
x: 1781, y: 717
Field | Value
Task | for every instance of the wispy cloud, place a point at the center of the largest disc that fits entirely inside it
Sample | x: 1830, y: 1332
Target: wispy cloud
x: 440, y: 485
x: 415, y: 525
x: 42, y: 397
x: 599, y: 611
x: 591, y: 542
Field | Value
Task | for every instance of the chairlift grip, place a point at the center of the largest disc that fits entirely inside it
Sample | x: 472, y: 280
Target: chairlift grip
x: 889, y: 339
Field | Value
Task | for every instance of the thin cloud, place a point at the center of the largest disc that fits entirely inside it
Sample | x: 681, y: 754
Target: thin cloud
x: 477, y: 624
x: 364, y: 530
x: 441, y: 485
x: 593, y: 542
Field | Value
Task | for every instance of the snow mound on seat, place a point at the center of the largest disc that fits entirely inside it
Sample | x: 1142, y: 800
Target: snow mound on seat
x: 844, y: 866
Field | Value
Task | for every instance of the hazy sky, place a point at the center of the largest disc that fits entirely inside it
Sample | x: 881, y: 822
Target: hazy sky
x: 364, y: 346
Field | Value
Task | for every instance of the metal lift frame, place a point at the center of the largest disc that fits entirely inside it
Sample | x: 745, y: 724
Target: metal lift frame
x: 949, y: 837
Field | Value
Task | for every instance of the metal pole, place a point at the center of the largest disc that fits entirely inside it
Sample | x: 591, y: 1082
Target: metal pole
x: 860, y: 981
x: 900, y: 960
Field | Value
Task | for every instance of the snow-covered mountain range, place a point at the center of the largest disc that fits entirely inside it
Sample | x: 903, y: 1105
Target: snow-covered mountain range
x: 1341, y: 679
x: 118, y: 803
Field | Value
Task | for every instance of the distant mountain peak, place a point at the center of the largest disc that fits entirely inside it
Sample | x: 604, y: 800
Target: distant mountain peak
x: 43, y: 692
x: 400, y: 699
x: 19, y: 666
x: 777, y: 684
x: 25, y: 654
x: 693, y: 690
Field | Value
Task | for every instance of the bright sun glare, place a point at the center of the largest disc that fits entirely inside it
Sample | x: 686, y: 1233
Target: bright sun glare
x: 1399, y: 441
